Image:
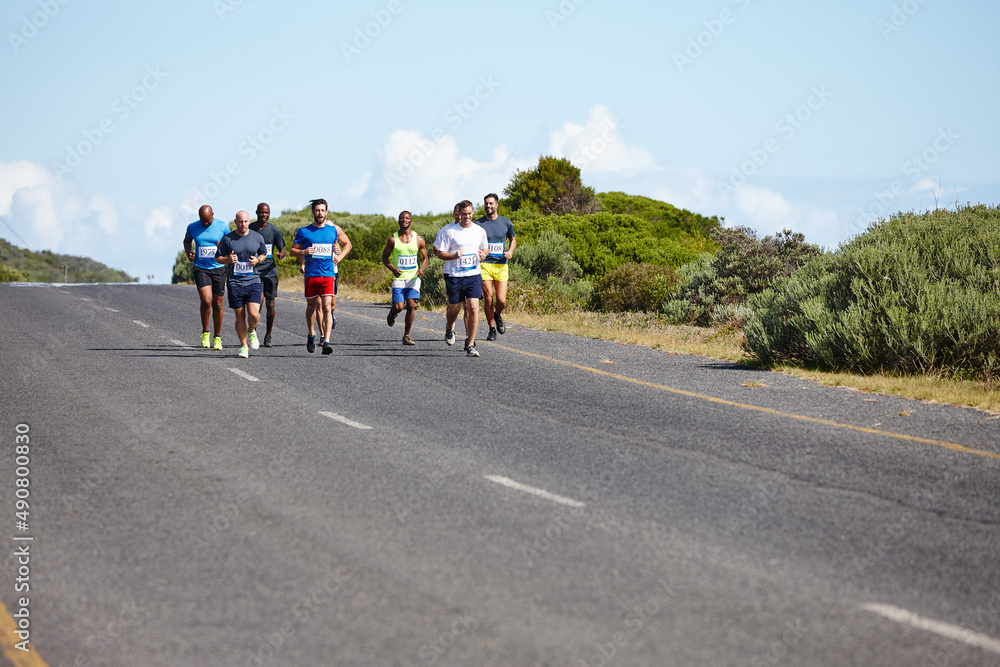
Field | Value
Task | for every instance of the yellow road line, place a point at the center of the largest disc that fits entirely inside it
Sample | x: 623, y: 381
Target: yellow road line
x: 8, y: 639
x: 743, y: 406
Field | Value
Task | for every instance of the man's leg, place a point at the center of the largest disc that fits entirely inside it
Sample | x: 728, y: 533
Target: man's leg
x: 205, y: 303
x: 411, y: 312
x: 311, y: 307
x: 253, y: 316
x: 269, y: 315
x: 241, y: 324
x: 217, y: 313
x: 499, y: 304
x: 471, y: 306
x: 488, y: 301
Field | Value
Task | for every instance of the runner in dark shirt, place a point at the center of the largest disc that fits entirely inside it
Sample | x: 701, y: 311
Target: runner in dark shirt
x: 268, y: 270
x: 241, y: 251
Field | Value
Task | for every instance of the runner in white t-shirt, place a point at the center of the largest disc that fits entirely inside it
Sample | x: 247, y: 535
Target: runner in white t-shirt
x: 462, y: 245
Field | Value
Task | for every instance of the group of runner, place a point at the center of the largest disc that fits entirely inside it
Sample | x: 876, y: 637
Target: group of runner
x: 475, y: 255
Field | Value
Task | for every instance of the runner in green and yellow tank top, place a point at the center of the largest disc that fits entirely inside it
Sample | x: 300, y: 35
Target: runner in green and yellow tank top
x: 405, y: 254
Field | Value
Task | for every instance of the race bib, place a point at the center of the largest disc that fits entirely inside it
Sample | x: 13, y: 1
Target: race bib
x: 496, y: 249
x: 242, y: 269
x: 207, y: 252
x: 468, y: 263
x: 268, y: 246
x: 322, y: 250
x: 406, y: 262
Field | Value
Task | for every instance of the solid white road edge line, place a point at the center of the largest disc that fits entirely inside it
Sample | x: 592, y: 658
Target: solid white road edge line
x: 562, y: 500
x: 245, y: 376
x: 344, y: 420
x: 948, y: 630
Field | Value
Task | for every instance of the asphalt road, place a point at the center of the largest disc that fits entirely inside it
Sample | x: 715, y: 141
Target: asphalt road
x: 558, y: 501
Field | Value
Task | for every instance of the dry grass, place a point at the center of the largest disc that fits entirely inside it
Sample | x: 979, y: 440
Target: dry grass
x: 724, y: 343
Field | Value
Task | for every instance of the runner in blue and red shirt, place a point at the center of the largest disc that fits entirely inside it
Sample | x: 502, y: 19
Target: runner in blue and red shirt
x: 315, y: 245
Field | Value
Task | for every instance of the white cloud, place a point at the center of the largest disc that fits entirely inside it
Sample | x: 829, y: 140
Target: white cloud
x: 598, y: 147
x: 761, y: 204
x: 414, y: 172
x: 49, y: 213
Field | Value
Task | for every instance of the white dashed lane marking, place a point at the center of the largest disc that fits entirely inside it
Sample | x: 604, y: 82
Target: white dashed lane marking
x: 542, y: 493
x: 954, y: 632
x: 245, y: 376
x: 344, y: 420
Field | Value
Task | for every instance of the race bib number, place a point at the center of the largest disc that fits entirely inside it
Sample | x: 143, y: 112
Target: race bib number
x: 242, y: 269
x: 496, y: 249
x: 468, y: 263
x: 322, y: 250
x: 269, y: 246
x: 406, y: 262
x: 207, y: 252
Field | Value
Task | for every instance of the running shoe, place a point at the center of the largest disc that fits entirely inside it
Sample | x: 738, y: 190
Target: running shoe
x: 408, y: 341
x: 449, y: 337
x: 472, y: 351
x: 267, y: 340
x: 500, y: 327
x: 333, y: 321
x: 252, y: 340
x: 217, y: 343
x: 467, y: 345
x: 244, y: 351
x: 205, y: 339
x: 492, y: 335
x: 311, y: 344
x: 390, y: 319
x: 327, y: 348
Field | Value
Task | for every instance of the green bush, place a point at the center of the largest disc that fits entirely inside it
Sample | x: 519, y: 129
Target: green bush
x: 743, y: 266
x: 917, y: 293
x: 551, y: 255
x: 8, y: 274
x: 634, y: 287
x: 554, y: 186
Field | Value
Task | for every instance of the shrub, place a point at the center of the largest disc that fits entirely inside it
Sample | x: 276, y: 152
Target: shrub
x: 551, y: 255
x: 634, y: 287
x: 913, y: 294
x: 554, y: 186
x: 743, y: 266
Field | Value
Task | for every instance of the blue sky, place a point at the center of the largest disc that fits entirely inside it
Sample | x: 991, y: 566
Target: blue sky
x: 121, y: 117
